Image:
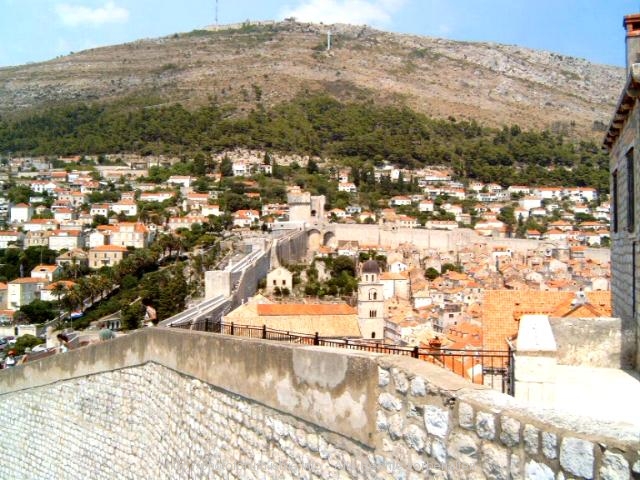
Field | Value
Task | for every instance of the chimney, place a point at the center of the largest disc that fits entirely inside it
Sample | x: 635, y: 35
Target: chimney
x: 631, y: 24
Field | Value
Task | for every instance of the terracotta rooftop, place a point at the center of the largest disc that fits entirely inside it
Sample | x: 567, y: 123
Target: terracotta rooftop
x: 305, y: 309
x: 502, y: 309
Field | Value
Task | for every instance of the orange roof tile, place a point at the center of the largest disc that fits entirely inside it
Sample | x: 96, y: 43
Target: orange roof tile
x: 305, y: 309
x: 502, y: 309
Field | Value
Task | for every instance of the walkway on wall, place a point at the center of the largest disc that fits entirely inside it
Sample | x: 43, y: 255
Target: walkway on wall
x: 492, y: 368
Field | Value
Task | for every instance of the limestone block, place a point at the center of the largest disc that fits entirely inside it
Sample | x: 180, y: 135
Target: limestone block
x: 495, y: 462
x: 614, y: 467
x: 464, y: 448
x: 549, y: 445
x: 530, y: 437
x: 418, y: 387
x: 400, y: 380
x: 381, y: 422
x: 396, y: 424
x: 383, y: 377
x: 510, y: 431
x: 486, y: 425
x: 436, y: 420
x: 312, y: 442
x: 465, y: 416
x: 515, y: 467
x: 415, y: 437
x: 439, y: 451
x: 335, y: 460
x: 389, y: 402
x: 577, y: 457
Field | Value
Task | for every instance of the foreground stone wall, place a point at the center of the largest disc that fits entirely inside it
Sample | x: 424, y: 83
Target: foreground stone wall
x: 173, y: 404
x: 594, y: 342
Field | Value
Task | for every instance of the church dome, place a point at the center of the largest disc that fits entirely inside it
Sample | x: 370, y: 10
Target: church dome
x: 371, y: 266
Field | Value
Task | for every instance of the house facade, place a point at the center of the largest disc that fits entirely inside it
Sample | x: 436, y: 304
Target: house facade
x: 106, y: 255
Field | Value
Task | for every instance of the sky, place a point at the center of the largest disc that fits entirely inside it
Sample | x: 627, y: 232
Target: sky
x: 38, y: 30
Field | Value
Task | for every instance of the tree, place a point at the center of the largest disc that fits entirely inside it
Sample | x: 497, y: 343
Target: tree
x: 26, y: 341
x: 226, y: 167
x: 58, y: 291
x: 73, y: 300
x: 450, y: 266
x: 312, y: 167
x: 132, y: 315
x: 431, y: 273
x: 38, y: 311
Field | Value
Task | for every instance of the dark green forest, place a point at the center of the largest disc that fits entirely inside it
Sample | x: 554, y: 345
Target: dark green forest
x: 360, y: 135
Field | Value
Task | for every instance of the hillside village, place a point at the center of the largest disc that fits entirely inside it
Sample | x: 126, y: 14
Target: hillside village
x: 94, y: 212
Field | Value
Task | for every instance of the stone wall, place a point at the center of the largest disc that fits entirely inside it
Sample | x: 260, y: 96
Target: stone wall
x: 593, y: 342
x: 291, y: 247
x: 442, y: 240
x: 176, y: 404
x: 625, y: 290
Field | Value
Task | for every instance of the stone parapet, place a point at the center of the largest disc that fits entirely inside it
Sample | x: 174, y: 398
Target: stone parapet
x: 176, y: 404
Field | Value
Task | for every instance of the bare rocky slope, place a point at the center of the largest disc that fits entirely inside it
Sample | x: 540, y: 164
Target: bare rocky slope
x: 272, y: 62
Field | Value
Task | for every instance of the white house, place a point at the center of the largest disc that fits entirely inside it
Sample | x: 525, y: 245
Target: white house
x: 400, y: 200
x: 348, y: 187
x: 211, y: 210
x: 23, y: 291
x: 47, y: 272
x: 279, y: 277
x: 20, y: 213
x: 426, y: 206
x: 66, y: 239
x: 245, y: 218
x: 125, y: 207
x: 240, y: 168
x: 530, y: 202
x: 63, y: 214
x: 100, y: 209
x: 10, y: 237
x: 182, y: 180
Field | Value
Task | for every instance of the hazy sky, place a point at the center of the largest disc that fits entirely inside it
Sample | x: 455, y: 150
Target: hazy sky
x: 36, y: 30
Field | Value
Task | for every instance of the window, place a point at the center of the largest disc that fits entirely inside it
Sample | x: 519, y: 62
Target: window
x: 614, y: 200
x: 373, y: 313
x: 631, y: 211
x: 373, y: 334
x: 373, y: 295
x: 284, y: 282
x: 275, y: 282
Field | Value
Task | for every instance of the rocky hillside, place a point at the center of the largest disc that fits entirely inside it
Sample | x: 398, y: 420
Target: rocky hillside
x: 270, y: 63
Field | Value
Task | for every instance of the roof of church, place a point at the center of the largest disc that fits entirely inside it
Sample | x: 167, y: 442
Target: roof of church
x: 371, y: 266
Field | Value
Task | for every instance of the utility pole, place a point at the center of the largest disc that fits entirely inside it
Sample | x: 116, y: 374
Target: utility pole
x: 216, y: 13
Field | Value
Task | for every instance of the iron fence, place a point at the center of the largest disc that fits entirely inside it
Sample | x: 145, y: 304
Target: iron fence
x: 493, y: 368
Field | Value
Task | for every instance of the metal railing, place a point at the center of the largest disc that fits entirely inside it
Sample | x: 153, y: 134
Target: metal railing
x: 493, y: 368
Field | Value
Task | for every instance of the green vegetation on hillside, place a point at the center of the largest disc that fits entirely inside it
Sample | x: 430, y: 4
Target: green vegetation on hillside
x: 359, y: 134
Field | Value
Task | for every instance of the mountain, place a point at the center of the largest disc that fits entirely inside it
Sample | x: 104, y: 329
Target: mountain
x: 270, y: 62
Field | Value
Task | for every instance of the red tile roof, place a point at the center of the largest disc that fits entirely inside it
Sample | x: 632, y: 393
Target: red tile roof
x: 305, y: 309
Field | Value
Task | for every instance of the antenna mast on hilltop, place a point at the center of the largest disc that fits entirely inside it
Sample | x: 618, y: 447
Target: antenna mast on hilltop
x: 216, y: 13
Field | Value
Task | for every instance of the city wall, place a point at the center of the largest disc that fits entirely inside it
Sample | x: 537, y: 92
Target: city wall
x: 172, y: 404
x: 442, y: 239
x: 291, y: 247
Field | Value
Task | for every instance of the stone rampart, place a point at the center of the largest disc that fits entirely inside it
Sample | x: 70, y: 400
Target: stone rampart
x: 175, y: 404
x: 292, y: 247
x: 443, y: 239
